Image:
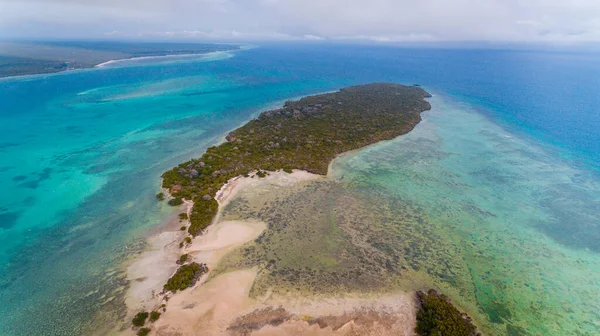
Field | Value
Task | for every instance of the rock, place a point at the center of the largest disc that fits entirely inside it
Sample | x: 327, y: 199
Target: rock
x: 194, y: 173
x: 207, y: 197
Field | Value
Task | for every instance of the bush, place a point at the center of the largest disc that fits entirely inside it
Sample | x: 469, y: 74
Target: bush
x: 183, y: 216
x: 182, y: 228
x: 186, y: 276
x: 438, y: 317
x: 261, y: 174
x: 188, y: 240
x: 154, y: 316
x: 160, y: 196
x: 183, y: 259
x: 175, y: 201
x: 140, y: 319
x: 287, y: 170
x: 143, y: 332
x: 202, y: 215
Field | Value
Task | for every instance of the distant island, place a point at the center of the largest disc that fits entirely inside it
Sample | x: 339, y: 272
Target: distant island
x: 28, y: 58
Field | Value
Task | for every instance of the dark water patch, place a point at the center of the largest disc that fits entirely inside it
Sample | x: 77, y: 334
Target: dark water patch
x: 6, y: 145
x: 28, y: 201
x: 30, y: 185
x: 6, y: 168
x: 573, y: 221
x: 497, y: 312
x: 202, y: 93
x: 73, y: 130
x: 495, y: 176
x: 8, y: 220
x: 44, y: 174
x: 512, y: 330
x: 41, y: 177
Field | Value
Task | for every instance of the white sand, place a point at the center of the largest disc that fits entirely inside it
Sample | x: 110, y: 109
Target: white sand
x: 151, y: 271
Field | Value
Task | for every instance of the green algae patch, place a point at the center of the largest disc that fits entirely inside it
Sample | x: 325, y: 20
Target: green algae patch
x: 305, y: 134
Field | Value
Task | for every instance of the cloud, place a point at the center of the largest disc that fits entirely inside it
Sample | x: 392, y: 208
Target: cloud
x: 372, y: 20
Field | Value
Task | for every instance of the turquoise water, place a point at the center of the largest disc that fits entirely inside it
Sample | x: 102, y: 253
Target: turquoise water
x: 510, y: 172
x: 501, y: 203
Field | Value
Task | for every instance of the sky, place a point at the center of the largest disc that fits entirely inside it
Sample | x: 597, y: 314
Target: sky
x: 385, y: 21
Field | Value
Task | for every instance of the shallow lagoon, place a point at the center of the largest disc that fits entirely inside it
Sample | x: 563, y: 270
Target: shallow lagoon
x: 520, y: 226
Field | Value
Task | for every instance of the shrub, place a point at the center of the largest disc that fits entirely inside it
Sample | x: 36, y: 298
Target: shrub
x: 154, y: 316
x: 181, y: 245
x: 438, y: 317
x: 183, y: 216
x: 261, y: 174
x: 140, y: 319
x: 175, y: 201
x: 186, y: 276
x: 287, y: 170
x: 202, y: 215
x: 188, y: 240
x: 143, y: 332
x: 182, y: 228
x: 183, y: 259
x: 160, y: 196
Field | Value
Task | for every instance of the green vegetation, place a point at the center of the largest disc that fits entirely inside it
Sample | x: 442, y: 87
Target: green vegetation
x: 183, y: 228
x: 188, y: 240
x: 140, y: 319
x: 438, y: 317
x: 186, y: 276
x: 183, y: 216
x: 175, y: 201
x: 182, y: 259
x: 143, y: 332
x: 154, y: 316
x: 305, y: 134
x: 160, y: 196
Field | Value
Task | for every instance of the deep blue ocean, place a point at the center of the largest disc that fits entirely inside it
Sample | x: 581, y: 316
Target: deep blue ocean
x: 81, y: 154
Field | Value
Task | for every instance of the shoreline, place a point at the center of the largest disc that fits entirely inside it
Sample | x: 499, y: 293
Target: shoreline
x: 102, y: 66
x: 159, y: 57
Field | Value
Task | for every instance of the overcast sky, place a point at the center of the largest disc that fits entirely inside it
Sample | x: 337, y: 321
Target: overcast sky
x: 376, y: 20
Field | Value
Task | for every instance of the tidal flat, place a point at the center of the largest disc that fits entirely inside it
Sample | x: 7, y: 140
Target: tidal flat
x: 408, y: 214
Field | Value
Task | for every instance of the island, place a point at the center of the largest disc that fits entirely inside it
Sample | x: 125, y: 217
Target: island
x: 28, y: 58
x: 305, y: 135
